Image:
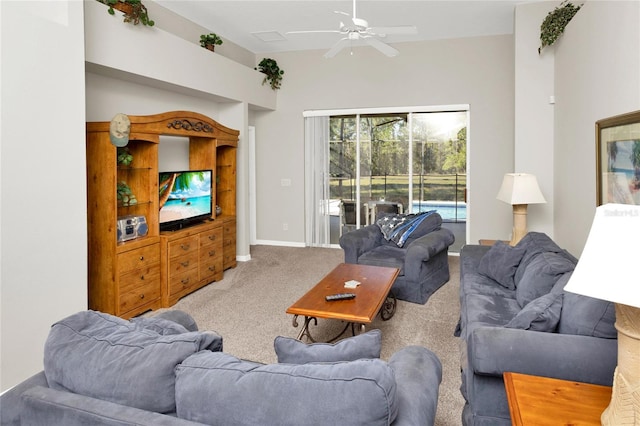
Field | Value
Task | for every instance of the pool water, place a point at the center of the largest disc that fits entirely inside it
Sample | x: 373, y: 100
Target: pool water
x: 450, y: 211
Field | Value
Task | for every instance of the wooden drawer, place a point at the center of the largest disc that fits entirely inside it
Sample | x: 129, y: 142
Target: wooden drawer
x: 211, y: 238
x: 210, y: 252
x: 183, y: 246
x: 210, y: 268
x: 183, y: 281
x: 183, y: 263
x: 139, y: 258
x: 139, y: 287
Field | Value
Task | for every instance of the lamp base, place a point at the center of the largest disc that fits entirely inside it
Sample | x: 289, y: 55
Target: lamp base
x: 519, y: 223
x: 624, y: 408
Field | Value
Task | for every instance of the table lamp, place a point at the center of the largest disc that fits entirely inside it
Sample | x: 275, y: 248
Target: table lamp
x: 608, y: 270
x: 520, y: 190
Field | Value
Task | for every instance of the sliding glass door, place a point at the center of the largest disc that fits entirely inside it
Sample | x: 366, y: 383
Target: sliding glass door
x: 384, y: 161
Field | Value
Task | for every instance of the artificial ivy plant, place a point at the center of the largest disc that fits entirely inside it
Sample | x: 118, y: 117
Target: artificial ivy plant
x: 209, y: 41
x: 554, y: 24
x: 273, y: 72
x: 134, y: 11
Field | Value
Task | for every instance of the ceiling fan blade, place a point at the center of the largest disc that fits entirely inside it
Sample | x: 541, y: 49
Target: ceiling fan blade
x: 341, y: 44
x: 382, y: 47
x: 402, y: 29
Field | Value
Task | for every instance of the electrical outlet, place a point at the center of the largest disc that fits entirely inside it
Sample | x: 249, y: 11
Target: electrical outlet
x: 285, y: 226
x: 285, y: 182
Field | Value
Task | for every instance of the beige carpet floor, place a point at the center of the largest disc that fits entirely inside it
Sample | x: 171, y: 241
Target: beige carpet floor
x: 248, y: 308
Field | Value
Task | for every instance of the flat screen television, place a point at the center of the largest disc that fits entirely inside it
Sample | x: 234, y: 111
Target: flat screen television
x: 185, y: 198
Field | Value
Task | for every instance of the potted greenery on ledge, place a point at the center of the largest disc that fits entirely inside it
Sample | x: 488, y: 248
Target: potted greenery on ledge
x: 273, y: 72
x: 556, y: 21
x: 134, y: 11
x: 210, y: 41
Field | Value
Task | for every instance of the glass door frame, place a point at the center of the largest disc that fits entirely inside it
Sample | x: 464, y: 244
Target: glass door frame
x: 309, y: 210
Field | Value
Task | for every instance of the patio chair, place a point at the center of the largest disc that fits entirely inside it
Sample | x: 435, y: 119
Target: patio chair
x: 348, y: 216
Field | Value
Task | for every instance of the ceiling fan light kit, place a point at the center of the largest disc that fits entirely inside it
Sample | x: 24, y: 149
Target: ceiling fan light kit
x: 359, y: 29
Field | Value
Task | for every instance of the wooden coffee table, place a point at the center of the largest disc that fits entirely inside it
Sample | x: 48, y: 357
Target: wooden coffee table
x: 373, y: 295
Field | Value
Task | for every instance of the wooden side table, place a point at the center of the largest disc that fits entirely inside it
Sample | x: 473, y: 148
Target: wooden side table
x: 489, y: 242
x: 535, y: 400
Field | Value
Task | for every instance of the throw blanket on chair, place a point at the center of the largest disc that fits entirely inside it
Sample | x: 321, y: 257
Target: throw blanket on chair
x: 398, y: 227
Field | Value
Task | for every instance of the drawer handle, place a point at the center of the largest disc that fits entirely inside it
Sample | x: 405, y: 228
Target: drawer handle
x: 185, y: 281
x: 212, y: 253
x: 212, y: 237
x: 141, y: 257
x: 141, y: 277
x: 185, y: 264
x: 212, y: 268
x: 185, y: 246
x: 142, y: 296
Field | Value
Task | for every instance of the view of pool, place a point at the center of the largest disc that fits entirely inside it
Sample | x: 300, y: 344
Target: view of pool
x: 449, y: 210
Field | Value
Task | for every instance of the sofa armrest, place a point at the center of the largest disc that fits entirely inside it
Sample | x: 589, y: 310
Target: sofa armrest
x: 45, y: 406
x: 495, y: 350
x: 425, y: 248
x: 357, y: 242
x: 11, y: 403
x: 418, y: 374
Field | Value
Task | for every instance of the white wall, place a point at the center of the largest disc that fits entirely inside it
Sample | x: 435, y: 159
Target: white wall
x: 597, y: 75
x: 475, y: 71
x: 534, y: 111
x: 43, y: 235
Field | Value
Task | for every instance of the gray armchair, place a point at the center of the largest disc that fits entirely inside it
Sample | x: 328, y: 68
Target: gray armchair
x: 422, y: 260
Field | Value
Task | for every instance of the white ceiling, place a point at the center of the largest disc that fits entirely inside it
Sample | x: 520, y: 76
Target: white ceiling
x: 237, y: 20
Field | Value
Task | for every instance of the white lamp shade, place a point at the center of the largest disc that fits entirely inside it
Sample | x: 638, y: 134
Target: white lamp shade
x: 609, y: 267
x: 520, y: 188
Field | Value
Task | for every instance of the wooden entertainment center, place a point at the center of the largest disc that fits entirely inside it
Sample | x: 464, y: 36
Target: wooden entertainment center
x: 157, y: 269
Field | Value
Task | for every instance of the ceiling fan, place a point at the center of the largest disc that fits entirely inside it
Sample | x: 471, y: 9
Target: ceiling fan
x: 359, y: 29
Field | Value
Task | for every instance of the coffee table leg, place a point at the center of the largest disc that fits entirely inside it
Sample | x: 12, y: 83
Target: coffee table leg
x: 388, y: 307
x: 306, y: 332
x: 305, y: 328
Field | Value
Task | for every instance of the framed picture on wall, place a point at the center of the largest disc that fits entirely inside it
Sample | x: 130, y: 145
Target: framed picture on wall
x: 618, y: 159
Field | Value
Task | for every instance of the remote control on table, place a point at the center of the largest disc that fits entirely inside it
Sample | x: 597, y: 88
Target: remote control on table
x: 339, y: 296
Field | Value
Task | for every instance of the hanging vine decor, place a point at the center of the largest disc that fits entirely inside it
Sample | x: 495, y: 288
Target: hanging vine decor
x: 554, y: 24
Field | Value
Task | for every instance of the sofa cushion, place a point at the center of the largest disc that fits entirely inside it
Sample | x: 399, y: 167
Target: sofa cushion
x: 176, y: 315
x: 293, y: 351
x: 541, y: 314
x: 535, y: 243
x: 587, y: 316
x: 106, y: 357
x: 500, y: 263
x: 479, y: 310
x: 219, y: 389
x: 388, y: 255
x: 540, y: 276
x: 431, y: 223
x: 161, y: 326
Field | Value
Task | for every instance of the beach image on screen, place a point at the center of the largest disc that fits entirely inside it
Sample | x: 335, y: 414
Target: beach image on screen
x: 184, y: 195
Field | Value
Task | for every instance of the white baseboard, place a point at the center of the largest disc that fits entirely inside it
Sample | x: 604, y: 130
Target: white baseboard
x: 243, y: 258
x: 279, y: 243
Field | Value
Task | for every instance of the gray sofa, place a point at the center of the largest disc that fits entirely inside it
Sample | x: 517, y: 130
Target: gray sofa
x: 422, y: 259
x: 103, y: 370
x: 515, y: 316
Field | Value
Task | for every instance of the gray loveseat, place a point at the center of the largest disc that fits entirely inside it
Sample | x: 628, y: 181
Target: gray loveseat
x: 422, y: 259
x: 103, y: 370
x: 515, y: 316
